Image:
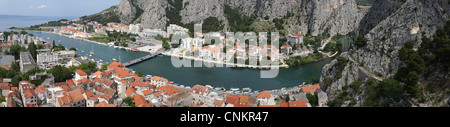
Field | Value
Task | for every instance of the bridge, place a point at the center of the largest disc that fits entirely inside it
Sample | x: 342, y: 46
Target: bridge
x: 138, y: 60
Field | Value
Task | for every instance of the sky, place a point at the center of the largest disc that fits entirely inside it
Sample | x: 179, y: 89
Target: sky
x: 57, y: 8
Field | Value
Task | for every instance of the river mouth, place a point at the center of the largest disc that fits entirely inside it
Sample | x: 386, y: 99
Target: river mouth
x: 226, y: 77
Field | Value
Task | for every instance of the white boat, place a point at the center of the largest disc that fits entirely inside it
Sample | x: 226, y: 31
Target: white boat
x: 92, y: 51
x: 234, y: 89
x: 82, y: 50
x: 246, y: 90
x: 90, y: 55
x: 114, y: 59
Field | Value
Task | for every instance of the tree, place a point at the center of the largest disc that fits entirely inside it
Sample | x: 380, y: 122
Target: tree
x: 360, y: 41
x: 128, y: 101
x: 312, y: 99
x: 391, y: 88
x: 140, y: 74
x: 73, y: 49
x: 32, y: 49
x: 61, y: 73
x: 314, y: 79
x: 104, y: 66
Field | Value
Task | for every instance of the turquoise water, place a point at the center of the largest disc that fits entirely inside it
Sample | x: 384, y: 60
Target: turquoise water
x: 189, y: 76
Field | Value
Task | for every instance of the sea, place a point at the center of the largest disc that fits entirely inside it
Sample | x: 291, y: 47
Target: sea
x: 7, y: 21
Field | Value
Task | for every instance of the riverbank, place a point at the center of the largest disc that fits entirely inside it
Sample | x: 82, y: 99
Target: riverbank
x: 222, y: 63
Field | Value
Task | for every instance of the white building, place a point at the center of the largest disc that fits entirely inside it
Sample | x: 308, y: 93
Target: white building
x: 295, y: 38
x: 175, y: 29
x: 135, y: 28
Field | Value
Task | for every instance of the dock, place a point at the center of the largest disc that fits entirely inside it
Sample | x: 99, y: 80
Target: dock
x: 138, y: 60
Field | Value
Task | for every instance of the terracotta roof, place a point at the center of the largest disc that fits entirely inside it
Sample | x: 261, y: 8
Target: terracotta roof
x: 76, y: 95
x: 243, y: 99
x: 40, y: 88
x: 299, y: 103
x: 252, y: 100
x: 29, y: 93
x: 104, y: 104
x: 158, y: 93
x: 147, y: 92
x: 70, y: 83
x: 157, y: 78
x: 264, y: 94
x: 284, y: 104
x: 88, y: 94
x: 169, y: 90
x: 140, y: 101
x: 130, y: 90
x: 108, y: 82
x: 140, y: 84
x: 311, y: 88
x: 298, y: 35
x: 218, y: 102
x: 80, y: 72
x: 61, y: 84
x: 84, y: 81
x: 199, y: 89
x: 66, y: 88
x: 97, y: 80
x: 64, y: 100
x: 233, y: 99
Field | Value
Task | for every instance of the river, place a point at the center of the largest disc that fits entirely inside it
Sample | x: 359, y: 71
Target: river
x: 189, y: 76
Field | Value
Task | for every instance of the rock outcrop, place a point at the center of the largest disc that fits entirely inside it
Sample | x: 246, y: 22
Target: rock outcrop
x: 316, y: 17
x: 380, y: 55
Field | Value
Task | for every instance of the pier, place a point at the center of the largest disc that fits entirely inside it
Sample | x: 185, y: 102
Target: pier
x: 138, y: 60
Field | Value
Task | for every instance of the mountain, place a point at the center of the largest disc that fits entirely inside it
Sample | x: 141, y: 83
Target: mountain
x: 314, y: 17
x: 370, y: 74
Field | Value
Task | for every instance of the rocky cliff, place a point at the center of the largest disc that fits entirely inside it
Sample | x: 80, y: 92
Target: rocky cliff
x: 315, y: 17
x: 379, y: 58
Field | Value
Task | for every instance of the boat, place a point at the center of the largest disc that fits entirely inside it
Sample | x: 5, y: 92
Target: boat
x: 246, y: 90
x: 114, y: 59
x: 170, y: 82
x: 92, y: 51
x: 82, y: 50
x: 133, y: 50
x: 90, y: 55
x: 234, y: 89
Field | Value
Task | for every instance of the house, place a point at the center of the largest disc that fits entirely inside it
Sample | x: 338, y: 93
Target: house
x: 295, y: 38
x: 232, y: 99
x: 6, y: 88
x: 158, y: 81
x: 131, y: 92
x: 181, y: 99
x: 311, y: 88
x: 218, y: 102
x: 140, y: 101
x: 147, y: 94
x: 97, y: 74
x: 286, y: 49
x: 90, y: 98
x: 105, y: 104
x: 168, y: 90
x: 140, y: 85
x: 107, y: 83
x: 64, y: 101
x: 80, y: 74
x: 42, y: 94
x: 323, y: 98
x: 29, y: 98
x: 299, y: 103
x: 85, y: 83
x: 77, y: 98
x: 263, y: 97
x: 26, y: 62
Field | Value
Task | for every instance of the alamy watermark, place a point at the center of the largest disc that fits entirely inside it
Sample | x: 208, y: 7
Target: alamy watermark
x: 234, y: 50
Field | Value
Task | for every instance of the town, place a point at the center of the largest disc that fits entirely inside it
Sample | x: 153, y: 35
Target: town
x: 227, y: 51
x: 31, y: 71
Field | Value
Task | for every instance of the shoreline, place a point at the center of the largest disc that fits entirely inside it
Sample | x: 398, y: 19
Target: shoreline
x: 166, y: 54
x: 225, y: 64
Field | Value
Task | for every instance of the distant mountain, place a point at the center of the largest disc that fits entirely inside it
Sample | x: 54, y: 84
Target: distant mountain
x: 315, y: 17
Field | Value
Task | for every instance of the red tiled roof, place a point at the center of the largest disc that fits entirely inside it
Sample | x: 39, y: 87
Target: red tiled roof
x: 311, y: 88
x: 140, y: 101
x: 61, y: 84
x: 218, y: 102
x: 298, y: 35
x: 169, y: 90
x: 233, y: 99
x: 267, y: 106
x: 299, y: 103
x: 40, y: 88
x: 76, y: 95
x: 284, y: 104
x: 264, y: 94
x: 29, y: 93
x: 70, y: 82
x: 147, y: 92
x: 80, y: 72
x: 243, y: 99
x: 104, y: 104
x: 64, y: 100
x: 130, y: 90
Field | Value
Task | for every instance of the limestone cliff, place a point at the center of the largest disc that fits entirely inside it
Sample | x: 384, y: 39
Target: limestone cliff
x: 379, y: 58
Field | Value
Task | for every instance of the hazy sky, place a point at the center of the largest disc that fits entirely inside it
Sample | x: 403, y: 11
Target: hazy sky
x: 63, y: 8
